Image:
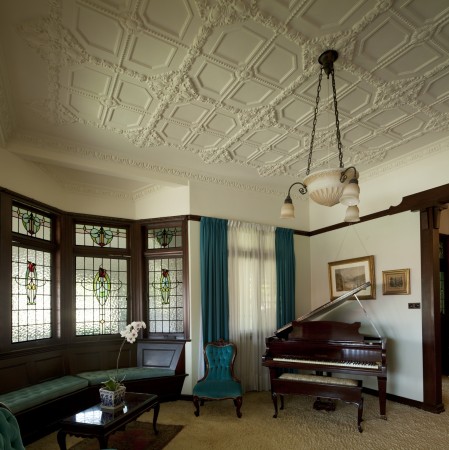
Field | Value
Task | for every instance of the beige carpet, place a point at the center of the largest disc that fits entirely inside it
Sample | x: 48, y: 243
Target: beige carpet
x: 298, y: 426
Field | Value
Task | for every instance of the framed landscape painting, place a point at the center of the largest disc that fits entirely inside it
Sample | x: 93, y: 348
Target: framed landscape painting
x: 396, y: 282
x: 350, y: 273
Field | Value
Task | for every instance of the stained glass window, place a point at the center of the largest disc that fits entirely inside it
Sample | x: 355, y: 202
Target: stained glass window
x: 101, y: 295
x: 100, y: 236
x: 29, y: 223
x: 165, y: 295
x: 31, y: 294
x: 166, y: 237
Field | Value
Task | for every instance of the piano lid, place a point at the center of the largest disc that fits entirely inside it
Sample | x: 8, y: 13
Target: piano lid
x: 326, y: 308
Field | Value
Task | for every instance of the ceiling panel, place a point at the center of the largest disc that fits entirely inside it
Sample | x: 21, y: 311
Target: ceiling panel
x: 219, y: 88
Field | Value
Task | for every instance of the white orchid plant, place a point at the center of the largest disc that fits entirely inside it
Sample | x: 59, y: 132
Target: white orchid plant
x: 129, y: 334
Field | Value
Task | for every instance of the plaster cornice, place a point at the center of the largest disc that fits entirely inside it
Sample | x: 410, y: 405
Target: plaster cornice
x: 61, y: 147
x: 405, y: 160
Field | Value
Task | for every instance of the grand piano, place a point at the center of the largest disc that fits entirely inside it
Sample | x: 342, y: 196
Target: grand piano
x: 328, y: 347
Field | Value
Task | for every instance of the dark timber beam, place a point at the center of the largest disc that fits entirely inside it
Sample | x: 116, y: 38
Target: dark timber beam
x: 431, y: 317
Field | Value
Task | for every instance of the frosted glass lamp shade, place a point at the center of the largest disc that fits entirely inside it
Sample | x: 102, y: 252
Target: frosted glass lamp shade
x: 288, y: 210
x: 325, y: 187
x: 351, y: 192
x: 352, y: 214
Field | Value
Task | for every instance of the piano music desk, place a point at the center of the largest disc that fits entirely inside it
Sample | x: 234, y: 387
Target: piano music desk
x: 347, y: 390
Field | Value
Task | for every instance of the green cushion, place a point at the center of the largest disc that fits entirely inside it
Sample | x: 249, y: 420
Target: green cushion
x: 127, y: 374
x: 218, y: 389
x: 10, y: 438
x: 37, y: 394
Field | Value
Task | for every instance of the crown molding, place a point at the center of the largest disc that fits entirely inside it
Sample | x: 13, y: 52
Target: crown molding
x: 51, y: 144
x: 406, y: 160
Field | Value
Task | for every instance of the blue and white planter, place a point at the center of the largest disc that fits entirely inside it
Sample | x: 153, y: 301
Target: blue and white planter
x: 112, y: 400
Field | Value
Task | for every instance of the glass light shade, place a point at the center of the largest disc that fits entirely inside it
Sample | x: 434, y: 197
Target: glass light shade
x: 288, y: 210
x: 350, y: 196
x: 324, y: 187
x: 352, y: 214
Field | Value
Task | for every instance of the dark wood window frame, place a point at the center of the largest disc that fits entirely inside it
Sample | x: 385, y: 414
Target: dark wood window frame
x: 168, y: 222
x: 99, y: 252
x: 7, y: 240
x: 65, y: 251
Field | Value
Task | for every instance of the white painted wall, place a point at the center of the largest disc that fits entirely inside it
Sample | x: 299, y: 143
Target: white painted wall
x: 395, y: 243
x: 388, y: 184
x: 194, y: 348
x: 393, y: 240
x: 30, y: 180
x: 303, y: 275
x: 249, y: 206
x: 164, y: 202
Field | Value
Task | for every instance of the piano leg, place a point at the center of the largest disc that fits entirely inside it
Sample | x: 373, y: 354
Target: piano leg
x: 382, y: 386
x: 274, y: 397
x: 360, y: 414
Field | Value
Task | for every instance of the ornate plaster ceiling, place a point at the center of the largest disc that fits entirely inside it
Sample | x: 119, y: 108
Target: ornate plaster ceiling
x: 124, y: 95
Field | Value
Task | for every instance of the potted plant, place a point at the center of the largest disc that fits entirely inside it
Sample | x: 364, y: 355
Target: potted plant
x: 112, y: 394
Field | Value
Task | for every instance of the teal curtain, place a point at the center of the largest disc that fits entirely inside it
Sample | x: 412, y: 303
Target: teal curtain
x: 214, y: 278
x: 285, y: 276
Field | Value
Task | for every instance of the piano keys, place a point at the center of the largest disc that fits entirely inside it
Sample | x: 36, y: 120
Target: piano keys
x: 327, y: 346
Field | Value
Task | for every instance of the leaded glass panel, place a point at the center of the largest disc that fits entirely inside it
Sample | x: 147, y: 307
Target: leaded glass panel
x: 31, y: 307
x: 166, y: 237
x: 30, y: 223
x: 101, y: 295
x: 99, y: 236
x: 165, y: 298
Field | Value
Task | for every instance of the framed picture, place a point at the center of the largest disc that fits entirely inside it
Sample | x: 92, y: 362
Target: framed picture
x: 396, y: 282
x: 350, y: 273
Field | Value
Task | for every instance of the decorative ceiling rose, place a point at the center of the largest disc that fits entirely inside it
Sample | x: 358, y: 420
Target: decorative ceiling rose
x: 328, y: 187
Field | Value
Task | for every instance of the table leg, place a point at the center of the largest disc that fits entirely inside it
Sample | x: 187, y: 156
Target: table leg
x: 61, y: 439
x: 156, y: 413
x: 103, y: 440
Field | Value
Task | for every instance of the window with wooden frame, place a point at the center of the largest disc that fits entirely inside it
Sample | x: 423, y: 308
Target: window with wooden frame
x: 102, y: 255
x: 166, y: 279
x: 32, y: 272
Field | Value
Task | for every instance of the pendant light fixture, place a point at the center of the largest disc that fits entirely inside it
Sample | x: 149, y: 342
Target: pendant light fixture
x: 328, y: 187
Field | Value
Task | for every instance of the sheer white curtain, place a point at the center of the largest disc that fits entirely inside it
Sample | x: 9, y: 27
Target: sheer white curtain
x: 252, y: 298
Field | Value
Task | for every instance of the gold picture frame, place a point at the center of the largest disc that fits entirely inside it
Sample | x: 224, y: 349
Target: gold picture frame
x: 347, y: 274
x: 396, y: 282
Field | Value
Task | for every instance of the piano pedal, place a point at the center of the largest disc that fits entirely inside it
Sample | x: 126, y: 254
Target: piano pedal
x: 324, y: 404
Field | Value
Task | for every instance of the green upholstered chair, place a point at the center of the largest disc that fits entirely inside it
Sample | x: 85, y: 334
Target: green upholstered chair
x: 219, y: 381
x: 10, y: 438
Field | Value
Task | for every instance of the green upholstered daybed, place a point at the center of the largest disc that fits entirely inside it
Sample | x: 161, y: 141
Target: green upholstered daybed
x: 38, y: 407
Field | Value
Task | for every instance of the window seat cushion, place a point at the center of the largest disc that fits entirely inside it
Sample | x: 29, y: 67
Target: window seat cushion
x: 126, y: 374
x: 37, y: 394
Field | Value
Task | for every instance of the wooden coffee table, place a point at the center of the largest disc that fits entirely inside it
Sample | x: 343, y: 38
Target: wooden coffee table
x: 95, y: 423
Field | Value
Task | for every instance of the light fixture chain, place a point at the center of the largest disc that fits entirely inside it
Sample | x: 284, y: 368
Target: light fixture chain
x: 337, y: 122
x: 328, y: 187
x: 312, y: 137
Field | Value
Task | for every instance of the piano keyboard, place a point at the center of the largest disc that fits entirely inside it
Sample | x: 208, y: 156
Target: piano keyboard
x: 350, y: 364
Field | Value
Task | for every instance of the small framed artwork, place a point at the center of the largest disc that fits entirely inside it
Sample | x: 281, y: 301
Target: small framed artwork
x: 396, y: 282
x: 348, y: 274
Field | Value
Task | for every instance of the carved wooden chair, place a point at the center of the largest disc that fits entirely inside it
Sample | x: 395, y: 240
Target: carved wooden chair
x: 219, y: 381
